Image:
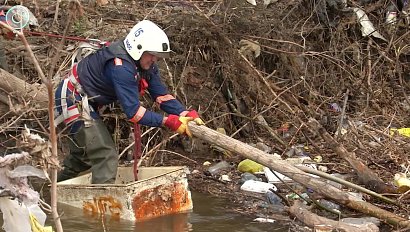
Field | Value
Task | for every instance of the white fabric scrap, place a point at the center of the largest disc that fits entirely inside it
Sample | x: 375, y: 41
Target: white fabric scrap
x: 13, y: 158
x: 367, y: 26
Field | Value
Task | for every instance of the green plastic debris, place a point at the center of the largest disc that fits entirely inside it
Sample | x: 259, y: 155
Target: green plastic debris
x: 250, y: 166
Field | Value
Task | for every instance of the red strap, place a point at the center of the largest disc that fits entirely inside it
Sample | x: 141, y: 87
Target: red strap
x: 137, y: 148
x: 142, y: 86
x: 2, y: 13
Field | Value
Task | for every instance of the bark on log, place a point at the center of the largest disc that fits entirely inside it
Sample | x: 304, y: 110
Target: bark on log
x: 23, y: 90
x: 321, y: 187
x: 3, y: 108
x: 365, y: 174
x: 300, y: 211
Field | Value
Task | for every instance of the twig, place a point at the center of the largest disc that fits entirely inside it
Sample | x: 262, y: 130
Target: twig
x: 154, y: 149
x: 346, y: 183
x: 60, y: 45
x: 56, y: 13
x: 129, y: 146
x: 183, y: 77
x: 171, y: 79
x: 369, y: 63
x: 404, y: 195
x: 342, y: 115
x: 175, y: 153
x: 384, y: 134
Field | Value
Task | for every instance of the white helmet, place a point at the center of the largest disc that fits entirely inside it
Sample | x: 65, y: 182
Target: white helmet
x: 146, y: 36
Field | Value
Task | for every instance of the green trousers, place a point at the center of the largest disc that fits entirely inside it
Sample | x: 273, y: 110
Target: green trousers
x: 91, y: 148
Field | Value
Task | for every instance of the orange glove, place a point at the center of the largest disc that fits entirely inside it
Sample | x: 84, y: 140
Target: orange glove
x: 178, y: 124
x: 193, y: 114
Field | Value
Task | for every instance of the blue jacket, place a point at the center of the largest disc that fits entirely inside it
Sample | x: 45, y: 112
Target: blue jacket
x: 111, y: 74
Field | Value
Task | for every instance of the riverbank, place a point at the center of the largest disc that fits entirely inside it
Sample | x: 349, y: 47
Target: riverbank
x: 259, y: 73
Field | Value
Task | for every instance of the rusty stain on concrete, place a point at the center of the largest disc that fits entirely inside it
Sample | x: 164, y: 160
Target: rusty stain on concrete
x: 161, y: 200
x: 101, y: 204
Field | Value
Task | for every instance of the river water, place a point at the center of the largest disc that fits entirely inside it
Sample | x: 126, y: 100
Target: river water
x: 210, y: 214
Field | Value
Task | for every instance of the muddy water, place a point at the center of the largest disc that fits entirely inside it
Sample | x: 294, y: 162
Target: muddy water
x: 210, y: 214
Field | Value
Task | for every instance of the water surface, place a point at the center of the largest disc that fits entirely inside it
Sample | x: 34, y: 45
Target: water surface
x: 210, y: 214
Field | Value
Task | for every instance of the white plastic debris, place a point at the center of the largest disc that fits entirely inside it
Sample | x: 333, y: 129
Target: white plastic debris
x: 15, y: 216
x: 268, y: 2
x: 225, y: 178
x: 206, y: 163
x: 37, y: 212
x: 25, y: 171
x: 272, y: 178
x: 268, y: 220
x: 367, y: 26
x: 257, y: 186
x: 322, y: 168
x: 253, y: 2
x: 391, y: 17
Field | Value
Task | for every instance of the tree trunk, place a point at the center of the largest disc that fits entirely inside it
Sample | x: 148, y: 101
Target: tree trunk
x: 294, y: 173
x: 22, y: 91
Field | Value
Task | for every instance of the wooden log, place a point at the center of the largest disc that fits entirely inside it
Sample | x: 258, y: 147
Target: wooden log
x: 3, y: 108
x: 23, y: 91
x: 317, y: 185
x: 365, y: 174
x: 301, y: 212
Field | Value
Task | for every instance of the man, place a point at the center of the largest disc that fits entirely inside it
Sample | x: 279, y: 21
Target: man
x: 120, y: 72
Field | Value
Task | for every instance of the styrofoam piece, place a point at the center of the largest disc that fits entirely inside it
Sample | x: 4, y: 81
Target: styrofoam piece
x: 272, y: 178
x: 257, y: 186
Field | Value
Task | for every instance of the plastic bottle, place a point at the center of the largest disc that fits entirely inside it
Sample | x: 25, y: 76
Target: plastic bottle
x: 272, y: 198
x: 329, y: 204
x: 247, y: 176
x: 216, y: 168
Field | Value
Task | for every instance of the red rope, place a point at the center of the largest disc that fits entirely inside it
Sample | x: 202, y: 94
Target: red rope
x: 137, y: 148
x: 57, y: 36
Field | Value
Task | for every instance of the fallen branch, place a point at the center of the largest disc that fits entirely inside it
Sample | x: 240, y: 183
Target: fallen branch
x: 18, y: 88
x: 300, y: 211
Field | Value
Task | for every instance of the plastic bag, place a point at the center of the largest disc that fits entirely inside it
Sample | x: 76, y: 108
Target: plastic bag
x: 250, y: 166
x: 15, y: 216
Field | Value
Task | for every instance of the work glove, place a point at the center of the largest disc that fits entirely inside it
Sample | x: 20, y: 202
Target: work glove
x: 193, y: 114
x: 178, y: 124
